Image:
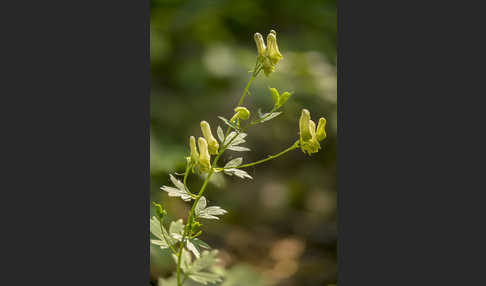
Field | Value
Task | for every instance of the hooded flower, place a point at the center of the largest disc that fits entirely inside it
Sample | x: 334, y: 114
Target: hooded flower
x: 212, y: 142
x: 321, y: 129
x: 261, y: 48
x: 204, y: 158
x: 272, y: 52
x: 194, y: 154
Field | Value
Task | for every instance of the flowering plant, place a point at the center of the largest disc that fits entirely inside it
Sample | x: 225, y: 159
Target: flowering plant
x: 193, y: 256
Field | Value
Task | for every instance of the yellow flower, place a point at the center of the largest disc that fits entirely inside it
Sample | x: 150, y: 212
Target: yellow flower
x: 272, y: 52
x: 268, y: 55
x: 212, y: 142
x: 309, y: 138
x: 204, y: 158
x: 321, y: 129
x: 194, y: 154
x: 304, y: 127
x: 261, y: 48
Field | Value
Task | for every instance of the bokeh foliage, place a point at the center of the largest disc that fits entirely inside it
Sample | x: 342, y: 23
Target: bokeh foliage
x: 281, y: 227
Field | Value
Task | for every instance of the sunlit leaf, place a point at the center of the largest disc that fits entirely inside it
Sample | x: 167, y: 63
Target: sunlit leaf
x: 234, y: 163
x: 220, y: 134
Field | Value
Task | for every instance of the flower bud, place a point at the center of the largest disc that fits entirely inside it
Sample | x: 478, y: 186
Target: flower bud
x: 275, y: 96
x: 272, y: 51
x: 194, y: 154
x: 204, y: 157
x: 284, y: 97
x: 212, y: 142
x: 241, y: 113
x: 159, y: 210
x: 321, y: 129
x: 261, y: 48
x: 304, y: 125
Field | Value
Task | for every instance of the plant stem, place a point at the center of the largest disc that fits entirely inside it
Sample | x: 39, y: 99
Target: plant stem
x: 165, y: 238
x: 294, y: 146
x: 255, y: 72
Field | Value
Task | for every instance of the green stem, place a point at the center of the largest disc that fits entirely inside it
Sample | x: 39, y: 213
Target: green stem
x: 294, y: 146
x: 256, y: 70
x: 166, y: 240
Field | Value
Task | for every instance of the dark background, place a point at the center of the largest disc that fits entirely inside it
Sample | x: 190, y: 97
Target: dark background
x: 281, y: 227
x: 75, y: 143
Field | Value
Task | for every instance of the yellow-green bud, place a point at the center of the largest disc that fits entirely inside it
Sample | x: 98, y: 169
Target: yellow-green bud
x: 204, y: 157
x: 283, y: 98
x: 275, y: 96
x: 241, y: 113
x: 321, y: 129
x: 194, y: 154
x: 272, y: 51
x: 261, y: 48
x: 304, y: 125
x: 212, y: 142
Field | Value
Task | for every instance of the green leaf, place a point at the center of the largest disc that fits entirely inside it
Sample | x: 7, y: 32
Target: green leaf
x: 201, y: 211
x: 237, y: 172
x: 200, y: 243
x: 201, y: 205
x: 238, y: 140
x: 160, y: 243
x: 206, y: 260
x: 220, y: 134
x: 179, y: 191
x: 238, y: 148
x: 195, y: 245
x: 185, y: 260
x: 211, y: 212
x: 227, y: 122
x: 205, y: 277
x: 269, y: 116
x: 156, y: 229
x: 234, y: 163
x: 176, y: 227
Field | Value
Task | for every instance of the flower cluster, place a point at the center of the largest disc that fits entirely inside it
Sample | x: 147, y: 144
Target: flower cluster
x: 309, y: 137
x: 268, y: 56
x: 207, y: 145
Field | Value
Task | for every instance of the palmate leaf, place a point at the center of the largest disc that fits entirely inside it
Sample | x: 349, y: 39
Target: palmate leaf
x: 178, y: 191
x: 196, y: 269
x: 237, y: 172
x: 201, y: 211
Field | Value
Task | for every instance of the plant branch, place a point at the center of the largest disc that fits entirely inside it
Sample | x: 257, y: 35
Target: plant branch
x: 256, y: 70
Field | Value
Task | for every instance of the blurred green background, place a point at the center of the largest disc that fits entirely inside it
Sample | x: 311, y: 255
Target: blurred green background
x: 281, y: 226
